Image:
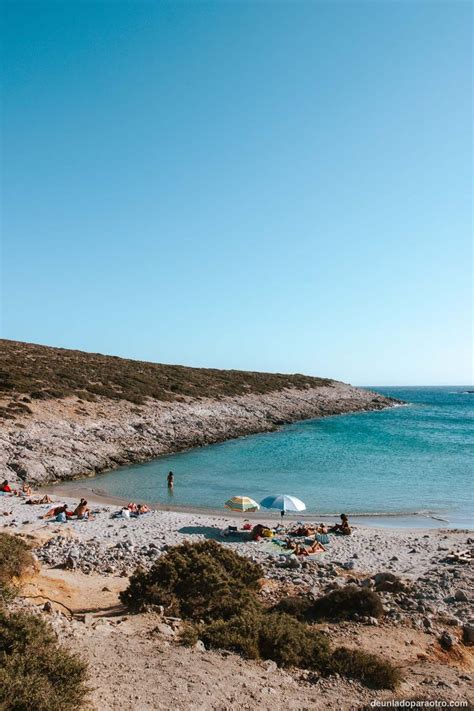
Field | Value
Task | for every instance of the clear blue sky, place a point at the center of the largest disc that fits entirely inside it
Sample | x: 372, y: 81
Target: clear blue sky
x: 279, y: 186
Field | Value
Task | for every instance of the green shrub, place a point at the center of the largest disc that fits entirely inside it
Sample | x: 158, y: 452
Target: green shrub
x: 345, y: 603
x: 290, y: 642
x: 238, y: 634
x: 36, y: 674
x: 299, y: 607
x: 257, y: 634
x: 371, y: 670
x: 197, y: 581
x: 188, y: 634
x: 15, y: 560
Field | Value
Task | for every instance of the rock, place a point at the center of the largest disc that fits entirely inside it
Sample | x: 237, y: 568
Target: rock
x: 70, y: 563
x: 461, y: 596
x: 293, y: 562
x: 200, y: 646
x: 388, y: 582
x: 270, y: 665
x: 165, y: 630
x: 468, y: 634
x: 447, y: 641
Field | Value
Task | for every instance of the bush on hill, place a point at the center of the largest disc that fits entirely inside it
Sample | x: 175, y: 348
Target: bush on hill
x: 345, y: 603
x: 36, y: 674
x: 258, y: 634
x: 299, y: 607
x: 205, y: 581
x: 370, y: 669
x: 16, y: 559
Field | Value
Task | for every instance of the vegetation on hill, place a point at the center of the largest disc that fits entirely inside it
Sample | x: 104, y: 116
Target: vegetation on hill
x: 36, y: 672
x: 16, y: 559
x: 345, y: 603
x: 29, y: 371
x: 201, y: 581
x: 215, y: 591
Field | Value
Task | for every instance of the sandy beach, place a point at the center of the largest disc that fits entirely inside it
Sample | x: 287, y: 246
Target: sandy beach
x: 86, y: 563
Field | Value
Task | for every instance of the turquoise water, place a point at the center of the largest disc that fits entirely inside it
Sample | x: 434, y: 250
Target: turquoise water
x: 416, y: 458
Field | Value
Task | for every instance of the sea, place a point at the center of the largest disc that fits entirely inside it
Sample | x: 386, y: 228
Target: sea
x: 410, y: 465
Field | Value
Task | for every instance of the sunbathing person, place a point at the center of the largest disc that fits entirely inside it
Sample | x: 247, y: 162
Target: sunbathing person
x: 52, y: 513
x: 5, y: 487
x: 322, y: 528
x: 315, y: 547
x: 305, y: 530
x: 342, y: 528
x: 299, y: 549
x: 142, y: 509
x: 132, y: 507
x: 44, y: 500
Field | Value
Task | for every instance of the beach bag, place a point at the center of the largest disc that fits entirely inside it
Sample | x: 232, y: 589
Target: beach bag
x: 125, y: 513
x: 322, y: 538
x: 61, y: 517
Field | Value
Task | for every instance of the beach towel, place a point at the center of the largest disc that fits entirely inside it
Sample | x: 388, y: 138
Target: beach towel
x: 322, y: 538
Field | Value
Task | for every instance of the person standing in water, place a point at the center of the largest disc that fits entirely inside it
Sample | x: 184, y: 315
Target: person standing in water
x: 170, y: 480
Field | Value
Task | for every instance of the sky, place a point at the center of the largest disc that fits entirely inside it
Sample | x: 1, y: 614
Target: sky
x: 281, y: 186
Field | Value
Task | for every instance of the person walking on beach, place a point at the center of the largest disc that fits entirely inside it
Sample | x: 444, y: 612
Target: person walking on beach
x: 170, y: 480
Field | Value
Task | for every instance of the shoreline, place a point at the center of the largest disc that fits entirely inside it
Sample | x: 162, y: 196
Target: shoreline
x: 414, y: 520
x: 65, y: 439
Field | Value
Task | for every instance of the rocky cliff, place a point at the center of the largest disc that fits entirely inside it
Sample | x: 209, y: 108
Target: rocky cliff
x: 61, y: 422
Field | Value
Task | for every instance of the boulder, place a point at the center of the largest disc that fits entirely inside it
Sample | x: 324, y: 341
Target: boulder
x: 447, y: 641
x: 388, y: 582
x: 468, y: 634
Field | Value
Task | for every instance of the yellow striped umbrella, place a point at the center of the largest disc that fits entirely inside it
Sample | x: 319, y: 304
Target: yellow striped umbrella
x: 241, y: 503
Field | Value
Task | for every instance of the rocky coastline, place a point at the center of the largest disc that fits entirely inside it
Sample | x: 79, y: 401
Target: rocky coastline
x: 68, y: 438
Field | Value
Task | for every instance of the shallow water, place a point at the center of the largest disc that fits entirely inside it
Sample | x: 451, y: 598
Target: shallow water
x: 405, y: 460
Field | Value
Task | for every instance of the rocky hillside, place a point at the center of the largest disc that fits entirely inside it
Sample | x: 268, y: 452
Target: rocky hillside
x: 66, y: 414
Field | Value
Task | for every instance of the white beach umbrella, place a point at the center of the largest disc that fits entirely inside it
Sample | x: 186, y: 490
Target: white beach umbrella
x: 283, y: 502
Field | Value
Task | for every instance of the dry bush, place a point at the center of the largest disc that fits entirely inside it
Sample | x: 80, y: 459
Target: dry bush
x: 345, y: 603
x: 16, y: 559
x: 197, y: 581
x: 299, y: 607
x: 36, y: 674
x: 372, y: 670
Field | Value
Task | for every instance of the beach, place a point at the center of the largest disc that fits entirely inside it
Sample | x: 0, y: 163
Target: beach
x: 86, y: 563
